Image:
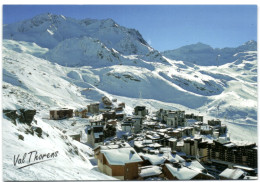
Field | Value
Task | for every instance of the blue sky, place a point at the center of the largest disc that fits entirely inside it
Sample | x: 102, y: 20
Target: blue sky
x: 165, y: 27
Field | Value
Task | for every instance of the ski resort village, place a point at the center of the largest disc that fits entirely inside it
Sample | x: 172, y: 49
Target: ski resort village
x: 160, y: 145
x: 89, y: 99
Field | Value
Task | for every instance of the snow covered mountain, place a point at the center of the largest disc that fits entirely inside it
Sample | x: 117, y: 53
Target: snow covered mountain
x: 83, y: 41
x: 55, y: 61
x: 47, y: 30
x: 202, y: 54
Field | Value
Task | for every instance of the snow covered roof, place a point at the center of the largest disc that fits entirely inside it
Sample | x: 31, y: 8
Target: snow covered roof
x: 153, y: 136
x: 180, y: 144
x: 161, y: 130
x: 244, y: 167
x: 182, y: 173
x: 251, y: 177
x: 147, y: 141
x: 229, y: 145
x: 232, y: 173
x: 155, y: 145
x: 156, y: 159
x: 242, y: 143
x: 176, y: 157
x: 138, y: 144
x: 150, y: 171
x: 194, y: 165
x: 153, y: 159
x: 165, y: 149
x: 223, y: 140
x: 121, y: 156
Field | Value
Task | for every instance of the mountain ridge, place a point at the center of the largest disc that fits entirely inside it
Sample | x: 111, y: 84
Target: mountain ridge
x: 204, y: 55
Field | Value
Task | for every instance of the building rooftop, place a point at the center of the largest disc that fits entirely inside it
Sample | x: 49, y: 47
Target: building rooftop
x: 232, y: 173
x: 182, y: 173
x: 147, y: 171
x: 121, y: 156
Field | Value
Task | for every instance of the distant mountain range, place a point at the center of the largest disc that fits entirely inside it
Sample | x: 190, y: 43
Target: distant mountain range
x: 202, y: 54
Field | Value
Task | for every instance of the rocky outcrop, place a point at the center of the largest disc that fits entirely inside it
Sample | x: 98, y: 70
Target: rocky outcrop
x: 23, y: 115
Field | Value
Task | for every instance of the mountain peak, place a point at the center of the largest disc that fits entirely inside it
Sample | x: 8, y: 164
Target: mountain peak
x: 48, y: 17
x: 48, y: 30
x: 250, y: 43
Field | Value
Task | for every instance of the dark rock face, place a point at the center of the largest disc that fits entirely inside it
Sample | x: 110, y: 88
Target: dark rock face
x: 24, y: 116
x: 38, y: 130
x: 20, y: 137
x: 11, y: 114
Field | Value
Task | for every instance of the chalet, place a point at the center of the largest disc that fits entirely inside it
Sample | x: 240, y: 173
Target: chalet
x: 234, y: 174
x: 95, y: 135
x: 121, y: 163
x: 164, y: 156
x: 93, y: 108
x: 110, y: 145
x: 61, y: 114
x: 140, y: 111
x: 195, y: 165
x: 146, y: 146
x: 151, y: 171
x: 178, y: 172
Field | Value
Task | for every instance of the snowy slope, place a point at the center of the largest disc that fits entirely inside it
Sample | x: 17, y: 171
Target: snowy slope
x: 71, y: 163
x: 193, y: 87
